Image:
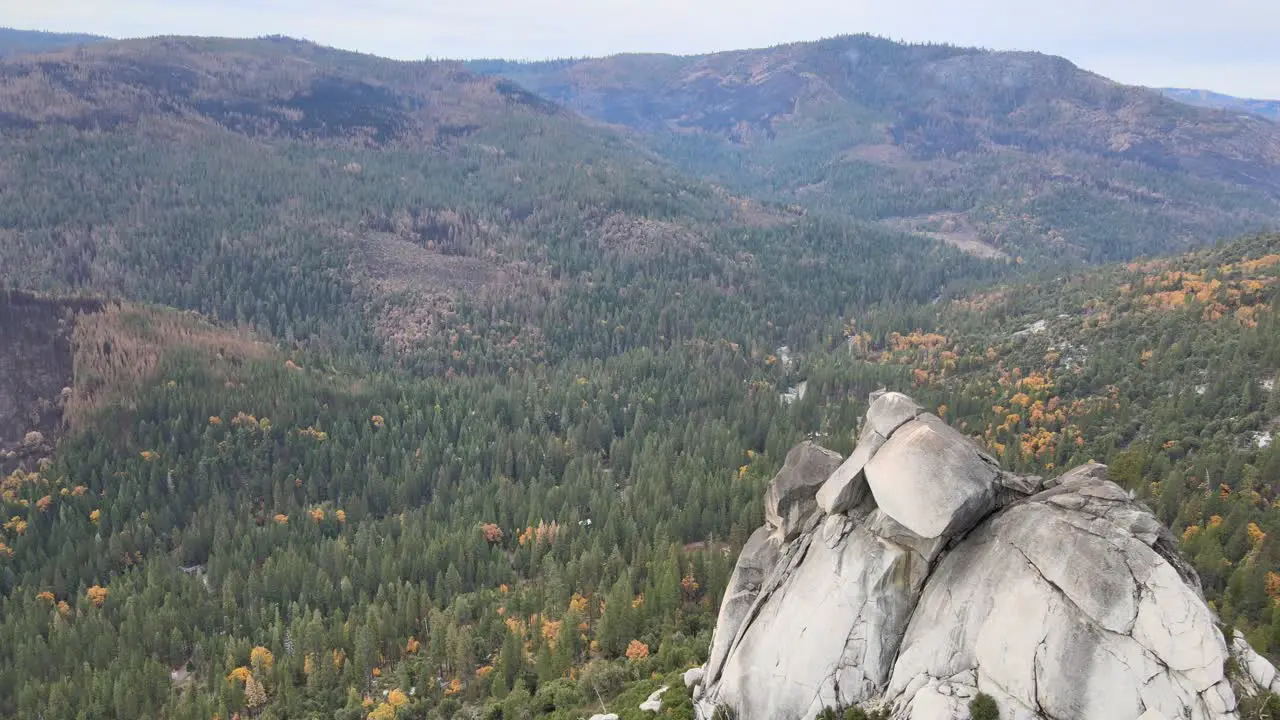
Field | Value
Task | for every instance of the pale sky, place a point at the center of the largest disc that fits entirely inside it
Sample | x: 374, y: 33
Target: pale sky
x: 1230, y: 46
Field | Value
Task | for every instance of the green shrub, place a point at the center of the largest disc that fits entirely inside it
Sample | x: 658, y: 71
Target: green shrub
x: 559, y: 694
x: 853, y: 713
x: 983, y: 707
x: 1264, y: 706
x: 603, y: 677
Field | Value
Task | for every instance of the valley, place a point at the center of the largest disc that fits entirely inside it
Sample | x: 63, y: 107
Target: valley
x: 379, y: 389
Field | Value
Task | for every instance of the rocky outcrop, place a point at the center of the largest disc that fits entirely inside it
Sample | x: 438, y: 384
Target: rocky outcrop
x: 920, y: 574
x: 791, y: 497
x: 932, y: 479
x: 653, y: 703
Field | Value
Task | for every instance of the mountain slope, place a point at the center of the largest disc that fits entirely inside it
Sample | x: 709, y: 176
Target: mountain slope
x: 1019, y: 151
x: 1165, y: 369
x: 1269, y: 109
x: 351, y: 201
x: 13, y: 42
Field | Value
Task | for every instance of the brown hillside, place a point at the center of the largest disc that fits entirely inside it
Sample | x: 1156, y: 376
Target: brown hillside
x: 63, y: 359
x: 35, y: 373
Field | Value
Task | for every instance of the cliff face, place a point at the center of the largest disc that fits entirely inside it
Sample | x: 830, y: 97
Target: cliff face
x: 916, y: 574
x: 35, y: 367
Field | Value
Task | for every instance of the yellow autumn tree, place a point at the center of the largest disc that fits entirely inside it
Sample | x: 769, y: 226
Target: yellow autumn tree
x: 1273, y: 588
x: 97, y: 595
x: 397, y: 698
x: 384, y: 711
x: 260, y: 657
x: 1256, y: 535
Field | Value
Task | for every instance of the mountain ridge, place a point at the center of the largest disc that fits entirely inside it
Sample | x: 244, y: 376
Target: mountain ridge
x: 14, y: 41
x: 1269, y: 109
x: 1027, y: 147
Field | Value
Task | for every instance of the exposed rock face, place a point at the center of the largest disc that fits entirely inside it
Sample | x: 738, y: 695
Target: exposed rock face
x: 951, y: 578
x: 932, y: 479
x: 653, y: 703
x: 847, y: 486
x: 1262, y: 674
x: 790, y: 499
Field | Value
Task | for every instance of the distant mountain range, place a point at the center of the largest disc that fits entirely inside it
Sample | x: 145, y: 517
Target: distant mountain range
x: 1269, y: 109
x: 1001, y: 155
x: 996, y: 152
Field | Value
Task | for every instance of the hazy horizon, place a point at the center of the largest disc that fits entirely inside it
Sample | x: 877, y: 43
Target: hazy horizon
x: 1227, y: 48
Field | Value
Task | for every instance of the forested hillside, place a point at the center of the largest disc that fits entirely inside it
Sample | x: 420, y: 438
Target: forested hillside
x: 1165, y: 369
x: 1015, y: 153
x: 348, y: 202
x: 249, y: 531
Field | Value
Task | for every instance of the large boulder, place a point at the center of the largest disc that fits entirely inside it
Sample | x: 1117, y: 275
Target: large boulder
x: 1260, y: 672
x: 920, y: 575
x: 847, y: 486
x: 790, y: 498
x: 890, y: 411
x: 932, y: 479
x: 653, y: 703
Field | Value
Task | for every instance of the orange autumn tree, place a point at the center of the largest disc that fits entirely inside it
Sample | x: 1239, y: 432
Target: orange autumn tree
x: 97, y: 595
x: 637, y: 650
